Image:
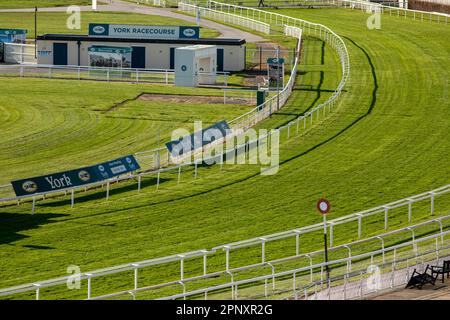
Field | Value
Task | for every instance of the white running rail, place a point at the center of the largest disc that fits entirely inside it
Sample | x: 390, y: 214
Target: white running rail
x: 263, y: 241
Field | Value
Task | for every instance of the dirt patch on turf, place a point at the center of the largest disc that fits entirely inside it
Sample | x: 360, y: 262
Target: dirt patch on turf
x: 175, y: 98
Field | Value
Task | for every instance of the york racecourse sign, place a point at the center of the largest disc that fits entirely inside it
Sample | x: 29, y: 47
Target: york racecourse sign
x: 74, y: 178
x: 125, y: 31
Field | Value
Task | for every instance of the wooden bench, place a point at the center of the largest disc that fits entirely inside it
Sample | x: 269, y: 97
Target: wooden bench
x: 418, y: 280
x: 443, y: 270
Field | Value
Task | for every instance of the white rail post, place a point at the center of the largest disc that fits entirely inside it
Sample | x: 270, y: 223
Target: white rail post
x: 136, y: 268
x: 181, y: 267
x: 386, y: 217
x: 409, y: 211
x: 294, y: 286
x: 179, y: 174
x: 227, y: 258
x: 157, y: 180
x: 205, y: 253
x: 263, y: 250
x: 359, y: 226
x: 297, y: 242
x: 432, y: 202
x: 107, y: 190
x: 139, y: 183
x: 33, y: 206
x: 89, y: 285
x: 37, y: 285
x: 72, y: 198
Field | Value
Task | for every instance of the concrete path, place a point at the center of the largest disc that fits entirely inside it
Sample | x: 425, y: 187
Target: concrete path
x: 123, y: 6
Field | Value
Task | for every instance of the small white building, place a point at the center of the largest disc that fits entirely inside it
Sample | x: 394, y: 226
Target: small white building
x: 134, y: 52
x: 195, y: 64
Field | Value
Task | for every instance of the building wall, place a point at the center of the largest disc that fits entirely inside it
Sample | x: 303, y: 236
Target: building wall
x: 157, y: 55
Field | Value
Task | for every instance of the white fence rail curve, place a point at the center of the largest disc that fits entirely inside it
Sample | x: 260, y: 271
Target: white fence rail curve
x: 245, y: 22
x: 233, y: 285
x: 260, y: 241
x: 165, y: 76
x: 241, y: 123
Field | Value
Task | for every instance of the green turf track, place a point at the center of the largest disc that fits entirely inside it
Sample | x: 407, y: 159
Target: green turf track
x: 387, y: 140
x: 18, y: 4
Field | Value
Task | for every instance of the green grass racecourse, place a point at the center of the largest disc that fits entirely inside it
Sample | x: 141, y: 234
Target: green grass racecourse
x: 56, y: 22
x: 96, y: 119
x: 18, y: 4
x: 387, y: 140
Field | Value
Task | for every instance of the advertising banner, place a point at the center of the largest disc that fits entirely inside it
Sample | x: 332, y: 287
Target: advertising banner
x: 104, y: 56
x: 13, y: 35
x: 126, y: 31
x: 75, y: 178
x: 198, y: 139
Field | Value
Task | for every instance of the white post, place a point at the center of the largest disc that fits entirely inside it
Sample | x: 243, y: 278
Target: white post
x: 72, y: 198
x: 33, y: 206
x: 139, y: 183
x: 135, y: 265
x: 107, y: 190
x: 263, y: 250
x: 386, y: 213
x: 410, y: 211
x: 157, y: 180
x: 182, y: 268
x: 89, y: 285
x: 227, y: 258
x: 37, y: 285
x: 432, y: 203
x: 359, y: 226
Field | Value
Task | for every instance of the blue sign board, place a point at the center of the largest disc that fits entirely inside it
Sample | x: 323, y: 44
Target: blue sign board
x: 74, y: 178
x: 198, y: 139
x: 275, y: 60
x: 13, y: 35
x: 126, y: 31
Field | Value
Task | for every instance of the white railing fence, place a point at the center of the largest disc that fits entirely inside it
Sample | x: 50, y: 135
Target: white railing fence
x: 374, y: 280
x: 165, y: 76
x: 251, y: 24
x: 368, y: 6
x: 157, y: 159
x: 287, y: 282
x: 392, y: 8
x: 417, y: 233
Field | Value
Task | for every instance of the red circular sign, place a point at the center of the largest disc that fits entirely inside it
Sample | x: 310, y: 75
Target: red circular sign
x: 323, y: 206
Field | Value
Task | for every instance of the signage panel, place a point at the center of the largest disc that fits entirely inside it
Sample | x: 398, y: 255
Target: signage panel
x: 206, y: 136
x: 143, y: 32
x: 75, y: 178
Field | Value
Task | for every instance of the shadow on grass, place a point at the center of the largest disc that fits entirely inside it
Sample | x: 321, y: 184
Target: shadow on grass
x: 12, y: 224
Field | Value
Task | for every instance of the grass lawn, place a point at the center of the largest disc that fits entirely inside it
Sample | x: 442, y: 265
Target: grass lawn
x: 388, y: 139
x: 18, y: 4
x: 55, y: 22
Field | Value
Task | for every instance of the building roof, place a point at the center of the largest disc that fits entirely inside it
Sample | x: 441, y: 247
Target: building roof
x: 205, y: 41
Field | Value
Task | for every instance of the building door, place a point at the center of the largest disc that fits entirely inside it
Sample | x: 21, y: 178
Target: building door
x: 60, y: 54
x: 172, y: 58
x: 138, y: 57
x: 219, y: 59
